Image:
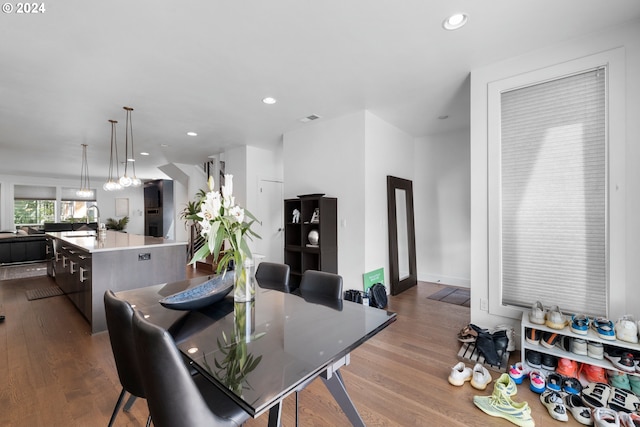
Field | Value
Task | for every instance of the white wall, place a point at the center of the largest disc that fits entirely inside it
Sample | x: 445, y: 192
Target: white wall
x: 627, y: 126
x: 388, y: 151
x: 442, y: 197
x: 328, y: 156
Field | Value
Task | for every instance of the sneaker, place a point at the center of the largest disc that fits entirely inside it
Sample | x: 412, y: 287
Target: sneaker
x: 555, y: 318
x: 579, y: 346
x: 579, y: 324
x: 605, y: 417
x: 595, y: 350
x: 596, y: 395
x: 518, y: 372
x: 571, y: 385
x: 548, y: 362
x: 481, y: 377
x: 626, y: 329
x: 564, y: 343
x: 460, y: 374
x: 623, y: 401
x: 537, y: 313
x: 604, y: 328
x: 533, y: 358
x: 629, y: 420
x: 507, y: 385
x: 634, y: 382
x: 499, y: 404
x: 549, y: 339
x: 537, y: 381
x: 593, y: 374
x: 555, y: 405
x: 567, y: 367
x: 554, y: 382
x: 621, y: 359
x: 576, y: 406
x: 618, y: 379
x: 533, y: 335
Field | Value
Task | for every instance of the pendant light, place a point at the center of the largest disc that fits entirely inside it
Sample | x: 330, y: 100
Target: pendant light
x: 85, y: 187
x: 126, y: 180
x: 112, y: 183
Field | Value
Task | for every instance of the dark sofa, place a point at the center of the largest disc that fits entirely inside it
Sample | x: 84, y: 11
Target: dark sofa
x: 29, y: 244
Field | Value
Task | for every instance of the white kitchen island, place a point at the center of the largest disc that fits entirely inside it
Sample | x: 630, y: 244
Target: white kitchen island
x: 87, y: 264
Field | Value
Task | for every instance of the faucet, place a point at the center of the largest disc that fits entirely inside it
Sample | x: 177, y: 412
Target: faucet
x: 97, y: 212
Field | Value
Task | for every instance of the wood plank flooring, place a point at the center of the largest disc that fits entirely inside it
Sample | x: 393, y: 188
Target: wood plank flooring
x: 53, y: 372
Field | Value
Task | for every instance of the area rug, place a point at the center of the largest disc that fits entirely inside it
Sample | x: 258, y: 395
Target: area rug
x: 453, y: 295
x: 49, y: 291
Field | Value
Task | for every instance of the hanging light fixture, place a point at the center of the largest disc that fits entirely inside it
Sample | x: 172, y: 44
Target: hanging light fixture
x: 85, y: 187
x: 126, y: 180
x: 112, y: 183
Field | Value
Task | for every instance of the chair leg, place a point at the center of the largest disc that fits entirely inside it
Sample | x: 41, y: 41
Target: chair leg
x: 129, y: 404
x: 117, y: 408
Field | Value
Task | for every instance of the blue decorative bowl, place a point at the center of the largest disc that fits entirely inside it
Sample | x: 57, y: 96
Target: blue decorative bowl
x: 210, y: 292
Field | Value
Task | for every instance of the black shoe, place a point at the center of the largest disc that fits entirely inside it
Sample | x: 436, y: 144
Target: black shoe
x: 534, y: 359
x: 1, y: 318
x: 549, y: 362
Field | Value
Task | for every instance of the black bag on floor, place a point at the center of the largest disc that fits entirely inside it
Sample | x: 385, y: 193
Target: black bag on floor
x: 378, y: 296
x: 353, y: 295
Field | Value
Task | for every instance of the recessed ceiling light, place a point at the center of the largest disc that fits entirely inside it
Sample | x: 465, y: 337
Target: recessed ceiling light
x: 455, y: 21
x: 192, y: 134
x: 144, y: 153
x: 164, y: 145
x: 269, y: 100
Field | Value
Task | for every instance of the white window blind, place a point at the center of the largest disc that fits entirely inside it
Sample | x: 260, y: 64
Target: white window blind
x: 554, y: 194
x: 33, y: 192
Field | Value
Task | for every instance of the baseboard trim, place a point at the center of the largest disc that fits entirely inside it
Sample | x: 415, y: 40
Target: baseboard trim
x: 444, y: 280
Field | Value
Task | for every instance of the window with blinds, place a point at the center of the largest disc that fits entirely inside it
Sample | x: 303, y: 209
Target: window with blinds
x: 553, y: 194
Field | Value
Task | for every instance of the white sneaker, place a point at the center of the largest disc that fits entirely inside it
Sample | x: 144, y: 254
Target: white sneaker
x: 537, y: 314
x: 481, y: 377
x: 555, y: 318
x: 555, y: 405
x: 579, y: 346
x: 626, y: 329
x: 460, y: 374
x: 605, y: 417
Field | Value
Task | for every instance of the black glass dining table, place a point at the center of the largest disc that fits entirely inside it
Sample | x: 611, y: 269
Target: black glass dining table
x: 260, y: 352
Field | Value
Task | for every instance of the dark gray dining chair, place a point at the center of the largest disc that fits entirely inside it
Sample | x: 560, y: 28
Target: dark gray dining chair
x: 321, y: 283
x: 119, y: 316
x: 175, y: 398
x: 272, y: 275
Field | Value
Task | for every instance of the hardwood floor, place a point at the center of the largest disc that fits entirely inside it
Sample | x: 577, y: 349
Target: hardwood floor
x: 53, y: 372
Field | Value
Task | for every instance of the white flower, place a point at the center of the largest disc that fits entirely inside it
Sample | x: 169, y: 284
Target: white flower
x: 210, y: 208
x: 237, y: 213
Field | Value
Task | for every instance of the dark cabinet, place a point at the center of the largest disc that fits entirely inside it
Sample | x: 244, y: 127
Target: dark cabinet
x: 311, y: 242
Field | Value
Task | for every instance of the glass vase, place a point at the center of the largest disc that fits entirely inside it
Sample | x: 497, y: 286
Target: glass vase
x: 244, y: 286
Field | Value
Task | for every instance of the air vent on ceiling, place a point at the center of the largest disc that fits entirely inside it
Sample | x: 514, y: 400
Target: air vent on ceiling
x: 309, y: 118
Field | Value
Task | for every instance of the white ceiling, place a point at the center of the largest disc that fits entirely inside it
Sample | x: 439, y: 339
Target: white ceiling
x: 204, y: 66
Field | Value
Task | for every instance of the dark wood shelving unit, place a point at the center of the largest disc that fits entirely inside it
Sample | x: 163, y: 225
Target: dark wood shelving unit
x: 299, y: 254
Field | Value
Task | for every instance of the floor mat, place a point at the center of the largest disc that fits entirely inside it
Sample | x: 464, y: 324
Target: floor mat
x: 453, y: 295
x: 49, y: 291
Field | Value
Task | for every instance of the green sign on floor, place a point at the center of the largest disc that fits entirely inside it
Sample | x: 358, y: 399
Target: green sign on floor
x: 373, y: 277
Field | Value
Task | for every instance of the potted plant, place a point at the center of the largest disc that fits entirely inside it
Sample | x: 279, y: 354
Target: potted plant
x: 117, y: 225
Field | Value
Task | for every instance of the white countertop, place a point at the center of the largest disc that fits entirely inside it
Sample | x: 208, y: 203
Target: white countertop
x: 112, y: 241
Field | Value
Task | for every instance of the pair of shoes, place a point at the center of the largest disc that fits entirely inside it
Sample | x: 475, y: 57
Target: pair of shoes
x: 537, y: 381
x: 518, y: 372
x: 593, y: 374
x: 605, y: 417
x: 629, y: 420
x: 533, y: 335
x: 467, y: 334
x: 621, y: 359
x: 537, y: 314
x: 626, y: 329
x: 555, y: 318
x: 579, y: 324
x: 499, y: 404
x: 604, y: 328
x: 549, y: 339
x: 479, y: 376
x: 618, y: 379
x: 460, y: 374
x: 555, y: 405
x: 577, y: 407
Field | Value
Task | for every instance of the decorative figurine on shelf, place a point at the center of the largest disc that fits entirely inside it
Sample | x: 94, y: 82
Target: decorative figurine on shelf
x: 313, y: 237
x: 315, y: 219
x: 296, y: 216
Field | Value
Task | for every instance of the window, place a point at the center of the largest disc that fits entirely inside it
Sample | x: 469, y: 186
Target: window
x: 33, y: 205
x: 74, y: 209
x: 553, y: 193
